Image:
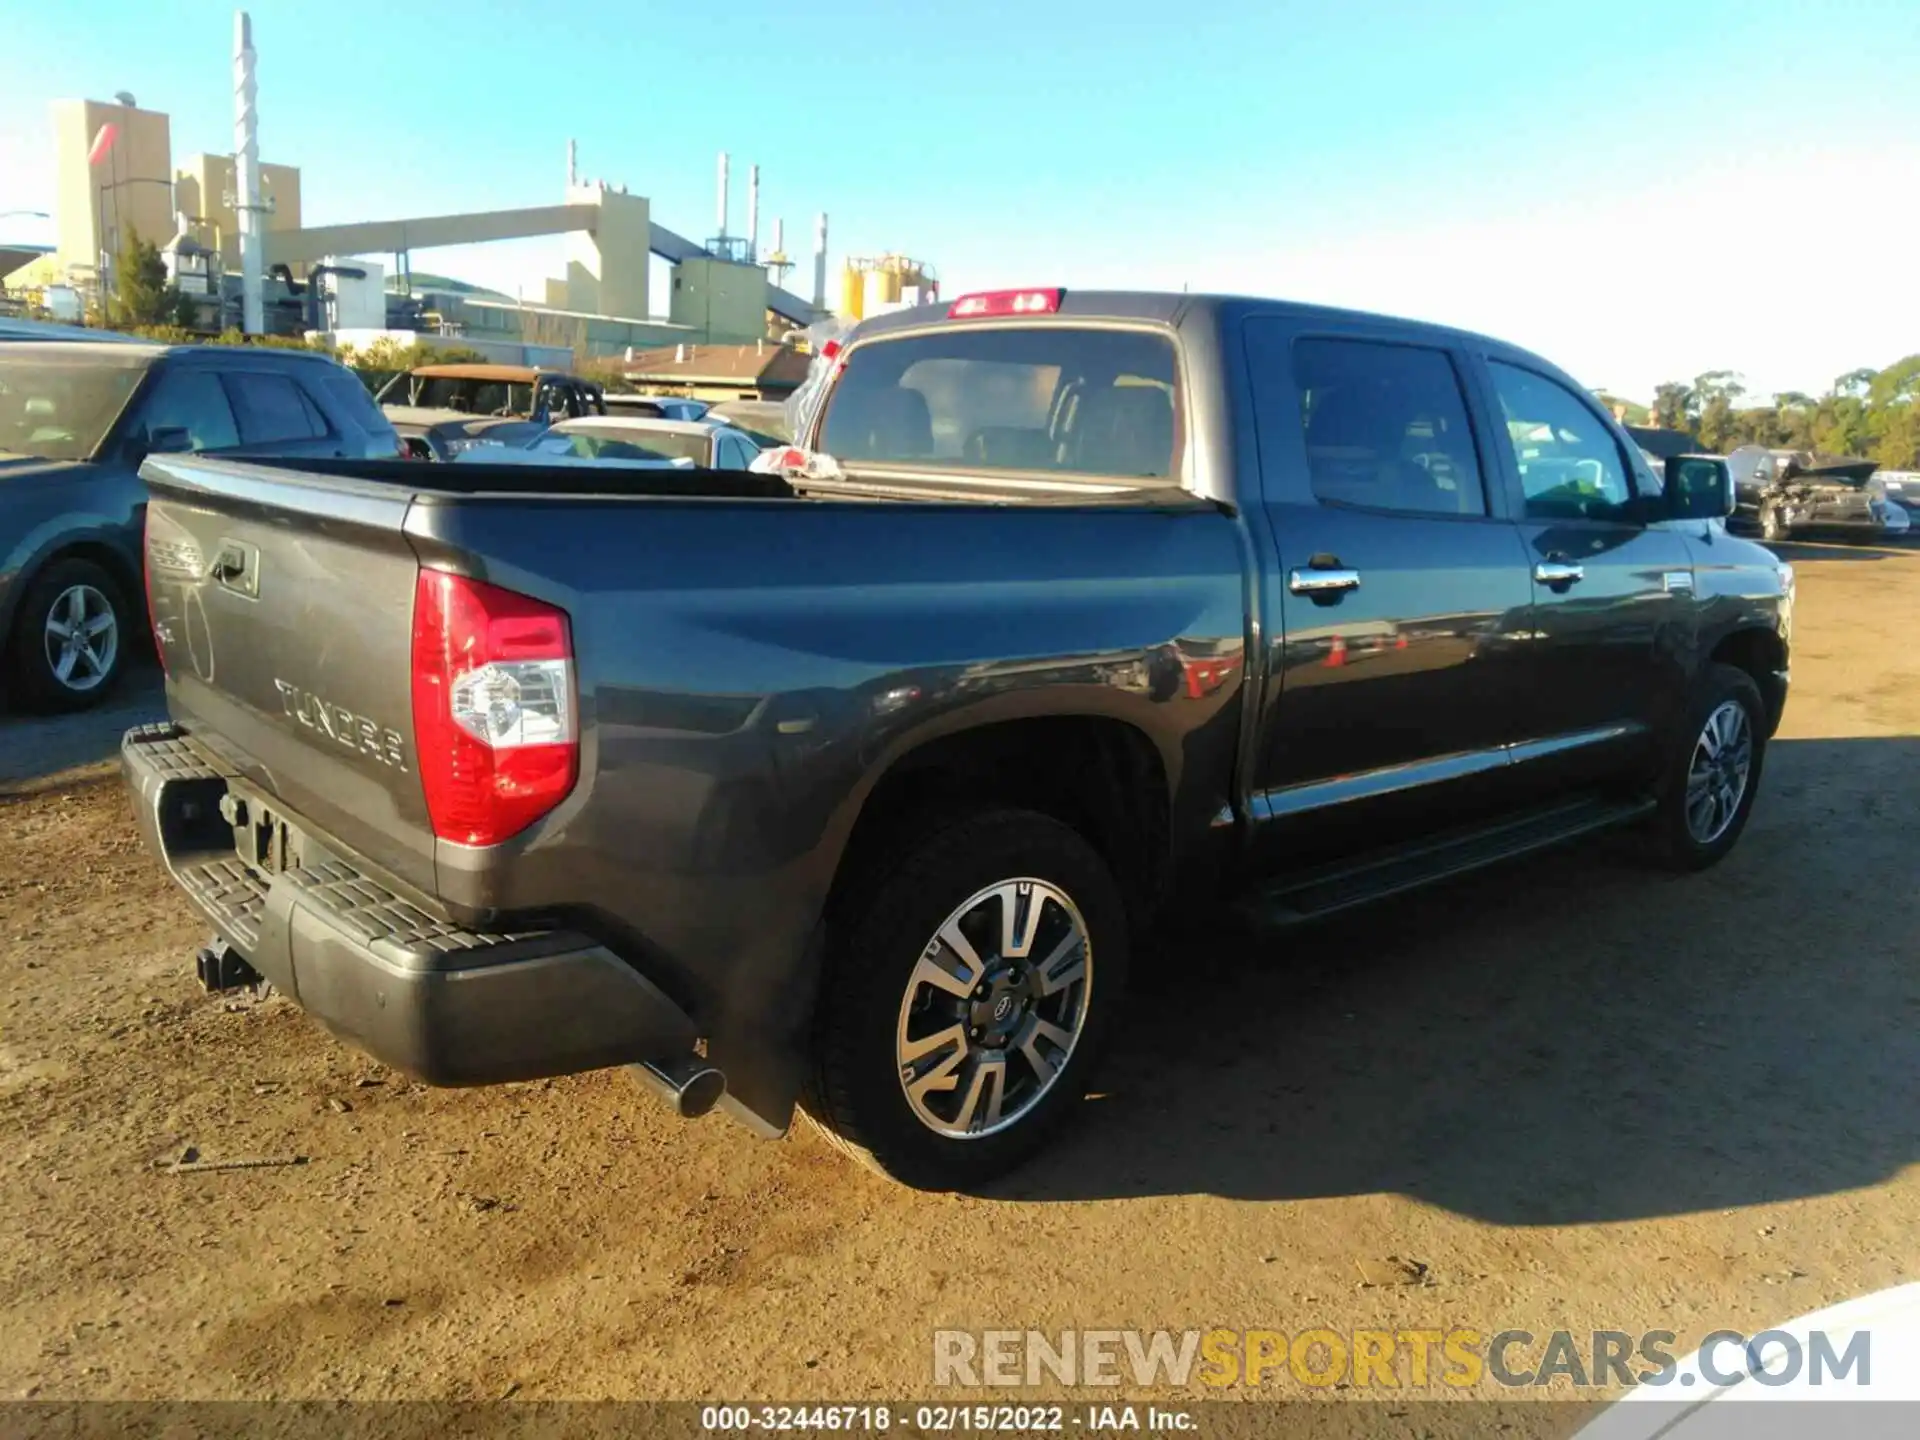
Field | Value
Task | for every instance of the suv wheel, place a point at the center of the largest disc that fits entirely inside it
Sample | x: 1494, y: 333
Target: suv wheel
x: 1714, y: 774
x: 965, y: 1002
x: 70, y: 638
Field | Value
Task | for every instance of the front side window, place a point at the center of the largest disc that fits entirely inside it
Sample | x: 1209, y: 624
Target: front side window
x: 1386, y: 427
x: 1050, y: 398
x: 1571, y: 467
x: 59, y: 407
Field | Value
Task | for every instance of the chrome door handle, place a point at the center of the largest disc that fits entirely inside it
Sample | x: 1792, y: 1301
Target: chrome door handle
x: 1323, y: 582
x: 1555, y: 572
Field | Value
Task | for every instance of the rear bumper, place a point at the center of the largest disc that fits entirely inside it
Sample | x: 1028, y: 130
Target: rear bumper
x: 448, y: 1005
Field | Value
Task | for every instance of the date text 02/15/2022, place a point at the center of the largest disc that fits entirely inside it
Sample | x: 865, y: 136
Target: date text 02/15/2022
x: 946, y: 1419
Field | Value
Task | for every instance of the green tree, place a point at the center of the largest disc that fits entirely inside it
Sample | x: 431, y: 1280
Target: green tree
x: 1897, y: 383
x: 141, y: 294
x: 1674, y: 406
x: 1840, y: 427
x: 1896, y: 435
x: 1716, y: 391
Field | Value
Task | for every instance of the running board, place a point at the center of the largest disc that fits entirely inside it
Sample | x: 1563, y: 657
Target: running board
x: 1342, y: 886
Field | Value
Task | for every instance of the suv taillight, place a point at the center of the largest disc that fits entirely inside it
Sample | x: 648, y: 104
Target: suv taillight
x: 493, y: 707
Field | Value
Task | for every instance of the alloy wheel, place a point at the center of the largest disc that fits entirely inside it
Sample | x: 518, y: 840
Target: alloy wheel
x: 1718, y: 774
x: 82, y: 638
x: 994, y: 1008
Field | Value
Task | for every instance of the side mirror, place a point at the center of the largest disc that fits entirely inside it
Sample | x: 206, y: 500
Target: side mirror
x: 1699, y: 487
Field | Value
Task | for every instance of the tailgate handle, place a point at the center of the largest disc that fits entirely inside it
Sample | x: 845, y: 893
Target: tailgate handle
x: 237, y: 567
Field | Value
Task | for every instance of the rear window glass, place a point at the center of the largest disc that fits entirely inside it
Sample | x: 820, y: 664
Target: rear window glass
x: 1045, y: 398
x: 272, y: 408
x: 342, y: 392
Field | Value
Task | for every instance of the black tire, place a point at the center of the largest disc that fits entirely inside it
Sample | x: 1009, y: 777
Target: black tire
x: 34, y: 679
x: 1681, y: 845
x: 858, y: 1094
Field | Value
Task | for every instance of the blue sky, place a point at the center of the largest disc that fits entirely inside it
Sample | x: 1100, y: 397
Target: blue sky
x: 1613, y: 186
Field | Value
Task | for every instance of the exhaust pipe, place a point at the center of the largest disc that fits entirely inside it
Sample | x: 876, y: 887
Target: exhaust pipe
x: 690, y: 1086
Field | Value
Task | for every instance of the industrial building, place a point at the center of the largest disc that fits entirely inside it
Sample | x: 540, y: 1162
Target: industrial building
x: 231, y: 230
x: 114, y: 173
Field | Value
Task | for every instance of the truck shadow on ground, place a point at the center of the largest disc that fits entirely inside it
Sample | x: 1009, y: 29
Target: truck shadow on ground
x: 1574, y: 1039
x: 1801, y: 551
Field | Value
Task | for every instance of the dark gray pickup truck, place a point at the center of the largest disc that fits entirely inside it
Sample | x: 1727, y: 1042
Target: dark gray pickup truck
x: 857, y: 784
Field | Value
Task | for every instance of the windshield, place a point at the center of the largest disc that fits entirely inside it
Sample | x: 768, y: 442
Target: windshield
x: 627, y: 445
x: 473, y: 397
x: 1043, y: 398
x: 60, y: 407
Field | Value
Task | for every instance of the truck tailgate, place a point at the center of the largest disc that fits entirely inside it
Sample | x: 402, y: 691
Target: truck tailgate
x: 283, y: 609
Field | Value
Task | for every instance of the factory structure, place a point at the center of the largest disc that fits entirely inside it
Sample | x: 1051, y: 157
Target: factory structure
x: 233, y: 238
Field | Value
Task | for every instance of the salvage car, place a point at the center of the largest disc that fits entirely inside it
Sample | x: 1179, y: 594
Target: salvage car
x: 1902, y: 487
x: 628, y: 440
x: 443, y: 410
x: 76, y: 420
x: 857, y: 785
x: 657, y: 407
x: 1782, y: 496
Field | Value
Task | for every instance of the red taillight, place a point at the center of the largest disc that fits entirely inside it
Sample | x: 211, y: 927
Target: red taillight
x: 830, y: 349
x: 1005, y: 302
x: 493, y: 707
x: 146, y: 581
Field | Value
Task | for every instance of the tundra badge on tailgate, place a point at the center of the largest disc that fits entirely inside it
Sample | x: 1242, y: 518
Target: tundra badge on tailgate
x: 356, y: 732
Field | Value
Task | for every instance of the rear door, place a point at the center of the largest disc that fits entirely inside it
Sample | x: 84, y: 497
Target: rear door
x: 191, y: 398
x: 351, y: 411
x: 1405, y: 597
x: 1612, y: 582
x: 276, y: 416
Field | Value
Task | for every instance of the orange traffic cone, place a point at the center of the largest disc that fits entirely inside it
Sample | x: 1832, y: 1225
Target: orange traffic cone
x: 1400, y: 642
x: 1337, y: 653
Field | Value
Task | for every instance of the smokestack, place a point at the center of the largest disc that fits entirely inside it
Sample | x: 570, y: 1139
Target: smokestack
x: 573, y: 168
x: 820, y: 263
x: 753, y: 213
x: 246, y: 173
x: 723, y: 195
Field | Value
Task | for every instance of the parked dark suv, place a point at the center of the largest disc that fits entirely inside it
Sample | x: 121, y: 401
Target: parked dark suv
x: 76, y: 420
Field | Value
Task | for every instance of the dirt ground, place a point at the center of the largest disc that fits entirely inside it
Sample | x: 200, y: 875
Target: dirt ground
x: 1571, y: 1094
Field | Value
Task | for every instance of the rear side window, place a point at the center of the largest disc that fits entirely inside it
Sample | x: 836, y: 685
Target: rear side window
x: 191, y: 399
x: 1386, y: 427
x: 272, y: 409
x: 342, y: 396
x: 1049, y: 398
